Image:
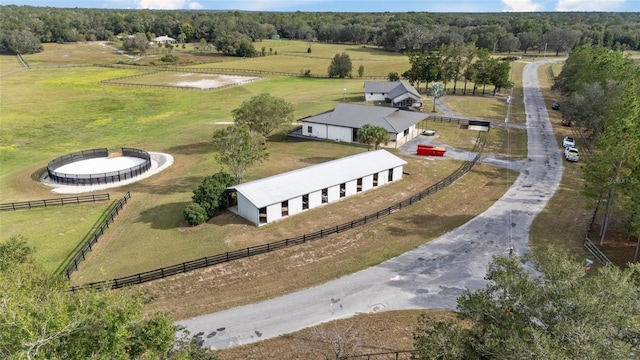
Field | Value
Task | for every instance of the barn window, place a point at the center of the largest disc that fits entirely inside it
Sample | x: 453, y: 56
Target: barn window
x: 305, y: 202
x: 285, y: 208
x: 325, y: 196
x: 263, y: 215
x: 359, y: 187
x: 310, y: 129
x: 375, y: 179
x: 343, y: 190
x: 390, y: 179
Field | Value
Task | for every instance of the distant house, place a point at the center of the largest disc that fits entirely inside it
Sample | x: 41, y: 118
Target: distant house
x: 164, y: 40
x: 398, y: 93
x: 275, y: 197
x: 343, y: 122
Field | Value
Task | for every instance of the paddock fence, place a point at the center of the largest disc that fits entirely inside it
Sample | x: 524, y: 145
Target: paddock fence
x: 388, y: 355
x: 95, y: 235
x: 207, y: 261
x: 97, y: 178
x: 253, y: 72
x: 53, y: 202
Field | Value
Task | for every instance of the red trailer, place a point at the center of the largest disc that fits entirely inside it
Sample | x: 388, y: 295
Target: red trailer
x: 430, y: 150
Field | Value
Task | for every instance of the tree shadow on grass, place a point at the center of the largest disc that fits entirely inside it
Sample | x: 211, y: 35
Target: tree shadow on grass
x: 423, y: 224
x: 192, y: 149
x: 165, y: 216
x: 317, y: 160
x: 178, y: 185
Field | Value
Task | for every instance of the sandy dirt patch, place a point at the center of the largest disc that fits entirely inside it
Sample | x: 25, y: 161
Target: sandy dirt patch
x: 99, y: 165
x: 219, y: 81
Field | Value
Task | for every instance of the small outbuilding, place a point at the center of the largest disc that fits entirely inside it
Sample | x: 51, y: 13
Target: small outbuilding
x: 397, y: 93
x: 275, y: 197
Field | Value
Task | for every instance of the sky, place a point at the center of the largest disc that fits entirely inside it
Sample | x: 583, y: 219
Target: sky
x: 349, y: 5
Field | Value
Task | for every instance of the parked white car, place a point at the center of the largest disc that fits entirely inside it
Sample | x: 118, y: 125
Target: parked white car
x: 568, y: 142
x: 571, y: 154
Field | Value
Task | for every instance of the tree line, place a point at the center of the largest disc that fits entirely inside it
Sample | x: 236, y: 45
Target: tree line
x: 411, y: 31
x: 602, y: 89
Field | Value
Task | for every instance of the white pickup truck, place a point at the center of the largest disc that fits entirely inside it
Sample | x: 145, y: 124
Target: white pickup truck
x: 571, y: 154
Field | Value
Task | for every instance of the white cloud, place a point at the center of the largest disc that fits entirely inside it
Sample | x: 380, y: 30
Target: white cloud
x: 521, y: 6
x: 161, y: 4
x: 195, y: 6
x: 589, y: 5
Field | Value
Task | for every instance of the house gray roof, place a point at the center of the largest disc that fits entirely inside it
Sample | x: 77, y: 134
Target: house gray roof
x: 355, y: 116
x: 278, y: 188
x: 404, y: 89
x: 392, y: 88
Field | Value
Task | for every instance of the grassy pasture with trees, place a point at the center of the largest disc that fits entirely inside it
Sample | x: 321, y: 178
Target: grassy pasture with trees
x: 150, y: 232
x: 79, y: 111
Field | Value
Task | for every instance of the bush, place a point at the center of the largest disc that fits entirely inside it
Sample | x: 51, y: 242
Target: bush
x: 169, y: 58
x: 212, y: 194
x: 195, y: 214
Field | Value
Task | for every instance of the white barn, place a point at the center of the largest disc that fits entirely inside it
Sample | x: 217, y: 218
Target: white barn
x: 343, y: 122
x: 272, y: 198
x: 398, y: 93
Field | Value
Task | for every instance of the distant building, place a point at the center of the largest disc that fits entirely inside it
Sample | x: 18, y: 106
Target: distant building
x: 343, y: 122
x: 272, y: 198
x: 164, y: 40
x: 398, y: 93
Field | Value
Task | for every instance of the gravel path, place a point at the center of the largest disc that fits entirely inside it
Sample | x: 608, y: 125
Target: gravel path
x: 431, y: 276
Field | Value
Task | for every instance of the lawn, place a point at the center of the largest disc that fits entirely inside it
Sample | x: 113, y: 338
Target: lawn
x: 9, y: 64
x: 54, y: 232
x: 49, y: 113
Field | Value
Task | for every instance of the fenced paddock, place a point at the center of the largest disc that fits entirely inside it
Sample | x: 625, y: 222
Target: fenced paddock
x: 97, y: 178
x: 207, y: 261
x: 53, y: 202
x: 93, y: 237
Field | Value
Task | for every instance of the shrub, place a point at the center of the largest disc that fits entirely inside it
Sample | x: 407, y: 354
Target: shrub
x: 195, y: 214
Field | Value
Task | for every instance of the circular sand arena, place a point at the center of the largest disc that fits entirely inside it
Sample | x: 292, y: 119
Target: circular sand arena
x: 98, y: 169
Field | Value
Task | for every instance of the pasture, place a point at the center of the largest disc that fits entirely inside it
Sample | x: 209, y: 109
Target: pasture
x: 50, y: 112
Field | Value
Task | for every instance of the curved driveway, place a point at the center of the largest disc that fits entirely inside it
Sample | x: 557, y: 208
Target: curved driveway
x: 431, y: 276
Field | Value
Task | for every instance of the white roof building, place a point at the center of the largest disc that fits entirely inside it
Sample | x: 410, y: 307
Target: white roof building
x: 269, y: 199
x: 164, y: 40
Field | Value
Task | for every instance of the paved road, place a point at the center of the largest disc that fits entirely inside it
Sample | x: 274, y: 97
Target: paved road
x: 431, y: 276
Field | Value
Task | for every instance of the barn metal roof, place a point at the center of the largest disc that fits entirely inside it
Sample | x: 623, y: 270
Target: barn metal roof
x: 278, y: 188
x: 355, y: 116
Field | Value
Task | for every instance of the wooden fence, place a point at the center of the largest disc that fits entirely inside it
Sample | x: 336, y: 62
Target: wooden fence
x: 395, y: 355
x: 599, y: 255
x: 93, y: 238
x: 53, y: 202
x: 207, y: 261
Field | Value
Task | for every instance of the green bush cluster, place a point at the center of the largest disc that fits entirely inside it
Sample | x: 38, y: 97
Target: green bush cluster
x: 209, y: 198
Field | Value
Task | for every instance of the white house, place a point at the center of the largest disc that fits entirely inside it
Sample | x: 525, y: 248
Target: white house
x: 343, y: 122
x: 272, y: 198
x: 398, y: 93
x: 164, y: 40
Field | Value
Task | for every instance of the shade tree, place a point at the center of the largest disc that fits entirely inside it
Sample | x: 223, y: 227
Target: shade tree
x: 545, y: 306
x: 238, y: 148
x: 263, y: 113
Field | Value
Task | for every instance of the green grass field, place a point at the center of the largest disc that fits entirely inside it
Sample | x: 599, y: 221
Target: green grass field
x: 60, y: 107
